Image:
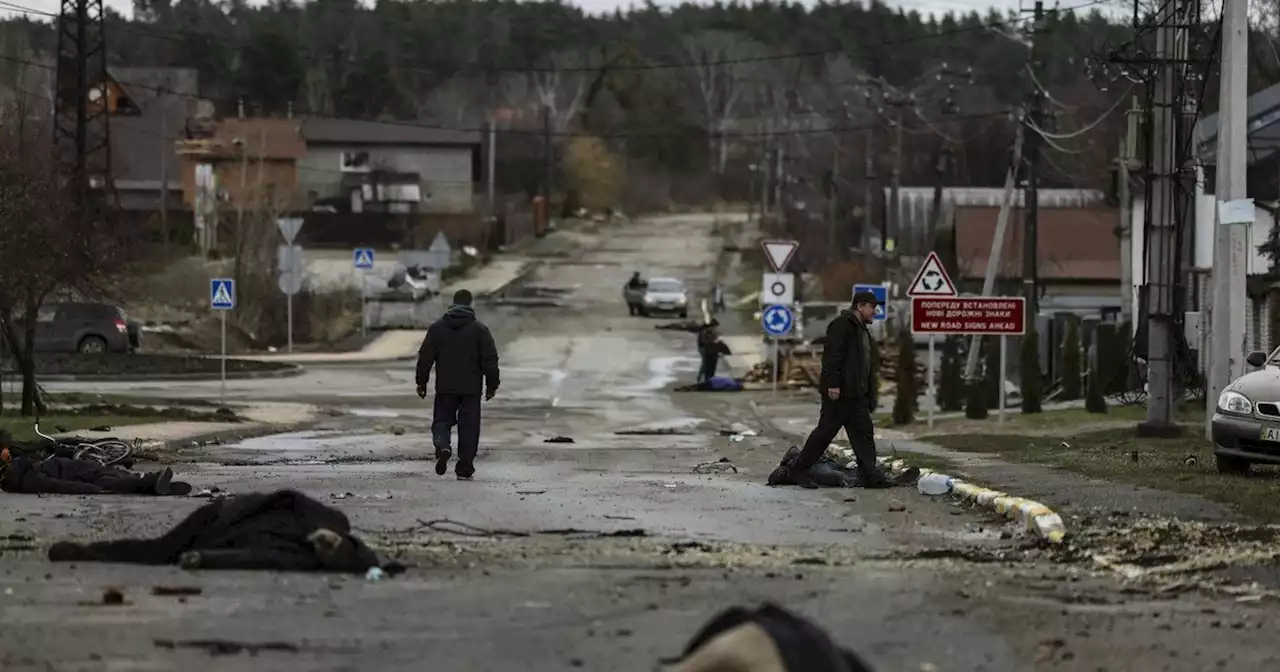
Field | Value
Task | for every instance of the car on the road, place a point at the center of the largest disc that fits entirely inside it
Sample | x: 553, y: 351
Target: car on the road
x: 1246, y: 424
x: 664, y: 296
x: 86, y: 328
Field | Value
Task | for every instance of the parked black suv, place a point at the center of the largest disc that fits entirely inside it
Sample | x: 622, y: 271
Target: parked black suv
x: 90, y: 328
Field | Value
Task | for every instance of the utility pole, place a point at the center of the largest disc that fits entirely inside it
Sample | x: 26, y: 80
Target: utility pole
x: 869, y: 178
x: 1160, y: 243
x: 997, y: 240
x: 1124, y: 162
x: 166, y: 146
x: 547, y: 157
x: 832, y: 209
x: 1229, y: 258
x: 1030, y: 249
x: 493, y: 142
x: 895, y: 184
x: 780, y: 174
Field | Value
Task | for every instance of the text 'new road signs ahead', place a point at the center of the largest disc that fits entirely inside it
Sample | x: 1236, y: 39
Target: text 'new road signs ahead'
x: 222, y: 293
x: 994, y: 315
x: 779, y: 253
x: 362, y: 257
x: 882, y: 298
x: 778, y: 289
x: 932, y: 280
x: 777, y: 320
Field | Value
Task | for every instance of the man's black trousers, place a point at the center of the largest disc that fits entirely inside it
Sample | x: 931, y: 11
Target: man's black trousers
x: 462, y: 410
x: 710, y: 358
x: 854, y: 415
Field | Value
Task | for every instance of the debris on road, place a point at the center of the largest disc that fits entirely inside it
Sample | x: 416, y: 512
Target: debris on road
x: 177, y: 591
x: 720, y: 465
x: 655, y: 431
x: 225, y: 647
x: 113, y: 596
x: 558, y: 439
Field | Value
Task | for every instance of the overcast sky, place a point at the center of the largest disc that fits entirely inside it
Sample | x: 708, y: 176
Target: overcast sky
x: 594, y: 6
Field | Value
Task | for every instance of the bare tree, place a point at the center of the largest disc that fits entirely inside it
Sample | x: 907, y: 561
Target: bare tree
x: 46, y: 247
x: 721, y: 76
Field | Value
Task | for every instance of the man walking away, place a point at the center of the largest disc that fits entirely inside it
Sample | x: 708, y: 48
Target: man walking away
x: 463, y: 353
x: 717, y: 298
x: 848, y: 387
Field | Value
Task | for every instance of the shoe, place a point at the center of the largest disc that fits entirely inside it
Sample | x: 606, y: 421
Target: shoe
x: 464, y: 473
x: 804, y: 479
x: 442, y: 460
x: 877, y: 482
x: 180, y: 488
x: 163, y: 480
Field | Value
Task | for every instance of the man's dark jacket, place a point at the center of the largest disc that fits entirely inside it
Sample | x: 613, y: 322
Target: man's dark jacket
x: 462, y: 351
x: 850, y: 359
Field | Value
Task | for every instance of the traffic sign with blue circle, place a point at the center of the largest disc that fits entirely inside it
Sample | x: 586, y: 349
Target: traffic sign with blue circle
x: 777, y: 320
x: 882, y: 297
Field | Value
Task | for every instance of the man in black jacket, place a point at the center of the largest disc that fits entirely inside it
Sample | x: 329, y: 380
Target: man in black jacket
x: 848, y: 386
x: 464, y: 355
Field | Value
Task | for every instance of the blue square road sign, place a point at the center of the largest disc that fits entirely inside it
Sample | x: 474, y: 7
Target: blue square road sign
x: 362, y: 257
x: 882, y: 296
x: 222, y: 293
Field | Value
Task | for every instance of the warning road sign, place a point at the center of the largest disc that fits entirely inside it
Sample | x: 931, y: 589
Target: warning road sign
x: 222, y: 293
x: 779, y: 253
x: 932, y: 280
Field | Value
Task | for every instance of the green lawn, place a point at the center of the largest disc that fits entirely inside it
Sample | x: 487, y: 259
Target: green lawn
x: 23, y: 428
x: 1182, y: 464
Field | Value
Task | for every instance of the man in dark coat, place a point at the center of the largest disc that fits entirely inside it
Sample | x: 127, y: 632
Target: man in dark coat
x: 465, y: 358
x: 848, y: 386
x: 283, y: 530
x: 709, y: 350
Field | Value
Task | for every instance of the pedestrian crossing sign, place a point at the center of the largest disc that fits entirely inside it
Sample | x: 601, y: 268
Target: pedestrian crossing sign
x: 222, y: 293
x: 363, y: 257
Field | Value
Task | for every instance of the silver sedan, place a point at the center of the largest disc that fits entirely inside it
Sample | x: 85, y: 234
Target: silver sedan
x: 1246, y: 425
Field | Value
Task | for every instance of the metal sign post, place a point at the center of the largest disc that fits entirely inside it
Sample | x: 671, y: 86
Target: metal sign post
x: 222, y: 298
x: 291, y: 266
x: 932, y: 401
x: 777, y: 322
x: 1003, y: 340
x: 362, y: 259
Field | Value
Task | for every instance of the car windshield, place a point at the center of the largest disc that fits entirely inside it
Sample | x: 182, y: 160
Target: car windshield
x: 665, y: 286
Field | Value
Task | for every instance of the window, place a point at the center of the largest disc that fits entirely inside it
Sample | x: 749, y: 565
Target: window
x: 355, y: 162
x: 46, y: 314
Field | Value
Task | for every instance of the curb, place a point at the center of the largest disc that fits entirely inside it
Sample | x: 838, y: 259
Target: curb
x: 1034, y: 516
x: 224, y: 436
x: 289, y: 372
x: 529, y: 267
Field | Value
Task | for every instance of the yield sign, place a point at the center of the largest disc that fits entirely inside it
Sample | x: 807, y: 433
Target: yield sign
x: 932, y: 280
x: 779, y: 252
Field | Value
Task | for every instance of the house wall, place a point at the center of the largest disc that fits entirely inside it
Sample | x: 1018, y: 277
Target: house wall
x: 272, y: 185
x: 446, y: 173
x: 1202, y: 237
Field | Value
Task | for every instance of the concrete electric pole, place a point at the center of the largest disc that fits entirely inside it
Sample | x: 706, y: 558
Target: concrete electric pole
x: 1030, y: 279
x: 1227, y: 310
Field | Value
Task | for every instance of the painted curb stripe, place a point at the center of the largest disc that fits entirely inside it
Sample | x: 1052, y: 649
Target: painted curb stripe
x: 1035, y: 517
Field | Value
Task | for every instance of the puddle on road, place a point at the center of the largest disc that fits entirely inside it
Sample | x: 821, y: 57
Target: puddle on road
x: 374, y: 412
x: 285, y: 442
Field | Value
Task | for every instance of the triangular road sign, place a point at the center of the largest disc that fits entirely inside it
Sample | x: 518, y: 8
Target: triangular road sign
x: 932, y: 280
x: 779, y: 252
x: 289, y: 228
x: 440, y: 244
x: 363, y: 258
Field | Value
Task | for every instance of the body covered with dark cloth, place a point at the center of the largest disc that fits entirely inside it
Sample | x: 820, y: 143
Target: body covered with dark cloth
x: 283, y: 530
x: 67, y: 476
x: 768, y: 639
x: 828, y: 473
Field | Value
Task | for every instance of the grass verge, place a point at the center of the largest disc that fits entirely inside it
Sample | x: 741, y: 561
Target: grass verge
x: 1183, y: 464
x: 23, y: 429
x: 1066, y: 420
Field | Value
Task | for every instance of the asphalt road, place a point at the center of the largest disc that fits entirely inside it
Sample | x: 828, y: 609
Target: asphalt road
x: 912, y: 583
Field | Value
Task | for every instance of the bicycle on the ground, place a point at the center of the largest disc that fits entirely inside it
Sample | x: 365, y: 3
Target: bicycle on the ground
x: 108, y: 452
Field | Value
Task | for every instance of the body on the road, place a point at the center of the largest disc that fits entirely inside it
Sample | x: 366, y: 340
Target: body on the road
x: 848, y: 386
x: 461, y: 350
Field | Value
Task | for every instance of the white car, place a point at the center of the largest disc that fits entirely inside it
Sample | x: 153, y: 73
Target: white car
x: 665, y: 296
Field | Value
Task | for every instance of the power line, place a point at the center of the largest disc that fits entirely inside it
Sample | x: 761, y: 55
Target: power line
x: 569, y: 134
x: 434, y: 68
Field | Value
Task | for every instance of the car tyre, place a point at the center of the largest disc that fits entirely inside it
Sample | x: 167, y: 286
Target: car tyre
x: 644, y: 312
x: 92, y: 345
x: 1231, y: 465
x: 684, y: 314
